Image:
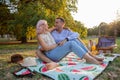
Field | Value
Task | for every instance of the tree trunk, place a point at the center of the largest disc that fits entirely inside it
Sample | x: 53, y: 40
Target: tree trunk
x: 23, y: 40
x: 2, y: 36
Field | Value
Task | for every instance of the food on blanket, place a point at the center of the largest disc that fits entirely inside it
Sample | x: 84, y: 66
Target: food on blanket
x: 89, y: 68
x: 84, y: 78
x: 43, y: 69
x: 63, y: 77
x: 95, y: 52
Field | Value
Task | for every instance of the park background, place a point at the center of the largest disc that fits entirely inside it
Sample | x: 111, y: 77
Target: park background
x: 18, y: 19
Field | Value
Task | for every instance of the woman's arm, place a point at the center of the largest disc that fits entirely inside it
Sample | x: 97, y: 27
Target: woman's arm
x: 45, y: 46
x: 42, y: 56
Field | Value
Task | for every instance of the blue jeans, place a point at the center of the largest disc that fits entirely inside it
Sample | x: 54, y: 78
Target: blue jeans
x: 81, y: 44
x: 60, y: 52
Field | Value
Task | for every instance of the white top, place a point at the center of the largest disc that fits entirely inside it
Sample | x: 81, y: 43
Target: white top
x: 47, y: 37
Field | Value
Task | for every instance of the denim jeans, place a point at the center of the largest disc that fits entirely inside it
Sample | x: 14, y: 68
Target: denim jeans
x: 81, y: 44
x: 60, y: 52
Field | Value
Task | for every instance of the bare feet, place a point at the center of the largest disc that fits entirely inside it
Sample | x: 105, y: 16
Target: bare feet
x: 99, y: 58
x: 92, y: 59
x: 51, y: 65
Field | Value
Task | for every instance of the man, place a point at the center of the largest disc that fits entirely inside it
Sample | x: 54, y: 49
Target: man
x: 62, y: 35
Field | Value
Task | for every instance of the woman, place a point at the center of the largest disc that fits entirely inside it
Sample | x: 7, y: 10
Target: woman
x: 56, y: 52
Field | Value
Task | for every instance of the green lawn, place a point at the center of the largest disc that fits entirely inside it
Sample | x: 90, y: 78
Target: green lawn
x: 111, y: 73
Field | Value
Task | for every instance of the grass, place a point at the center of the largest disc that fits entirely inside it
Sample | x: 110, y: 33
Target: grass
x: 111, y: 73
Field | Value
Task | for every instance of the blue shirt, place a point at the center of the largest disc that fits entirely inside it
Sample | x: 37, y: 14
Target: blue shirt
x: 65, y: 33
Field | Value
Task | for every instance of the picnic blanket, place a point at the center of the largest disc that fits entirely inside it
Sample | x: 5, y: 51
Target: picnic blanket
x: 72, y: 68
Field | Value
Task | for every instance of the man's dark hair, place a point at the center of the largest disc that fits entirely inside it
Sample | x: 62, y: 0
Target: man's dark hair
x: 61, y: 19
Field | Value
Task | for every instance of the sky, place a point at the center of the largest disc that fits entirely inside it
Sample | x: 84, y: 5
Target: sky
x: 93, y: 12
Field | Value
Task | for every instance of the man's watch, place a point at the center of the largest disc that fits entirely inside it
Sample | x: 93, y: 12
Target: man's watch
x: 67, y: 39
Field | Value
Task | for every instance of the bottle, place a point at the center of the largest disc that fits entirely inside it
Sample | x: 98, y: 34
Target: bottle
x: 90, y: 44
x: 101, y: 54
x: 93, y: 48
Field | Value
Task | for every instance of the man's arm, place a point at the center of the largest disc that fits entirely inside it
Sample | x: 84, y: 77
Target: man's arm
x: 72, y: 35
x: 69, y: 36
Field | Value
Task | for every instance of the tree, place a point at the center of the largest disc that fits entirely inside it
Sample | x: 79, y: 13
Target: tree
x: 118, y: 29
x: 115, y: 28
x: 30, y: 11
x: 31, y: 32
x: 103, y: 28
x: 93, y: 31
x: 26, y: 16
x: 5, y: 17
x: 81, y: 29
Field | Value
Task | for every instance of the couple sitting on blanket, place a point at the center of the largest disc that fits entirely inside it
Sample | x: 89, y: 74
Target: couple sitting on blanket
x: 56, y: 44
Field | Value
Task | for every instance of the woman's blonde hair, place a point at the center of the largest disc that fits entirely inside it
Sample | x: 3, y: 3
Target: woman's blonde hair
x: 39, y: 23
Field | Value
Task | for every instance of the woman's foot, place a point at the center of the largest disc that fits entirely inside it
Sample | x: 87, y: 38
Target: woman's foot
x: 51, y: 65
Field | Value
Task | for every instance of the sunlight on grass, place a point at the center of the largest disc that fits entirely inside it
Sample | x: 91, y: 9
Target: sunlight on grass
x: 18, y: 46
x: 27, y: 50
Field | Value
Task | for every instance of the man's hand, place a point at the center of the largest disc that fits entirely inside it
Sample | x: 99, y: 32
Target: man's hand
x: 62, y: 42
x: 41, y: 49
x: 52, y: 29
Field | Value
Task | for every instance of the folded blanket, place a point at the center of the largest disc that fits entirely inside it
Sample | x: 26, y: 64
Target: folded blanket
x: 72, y: 68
